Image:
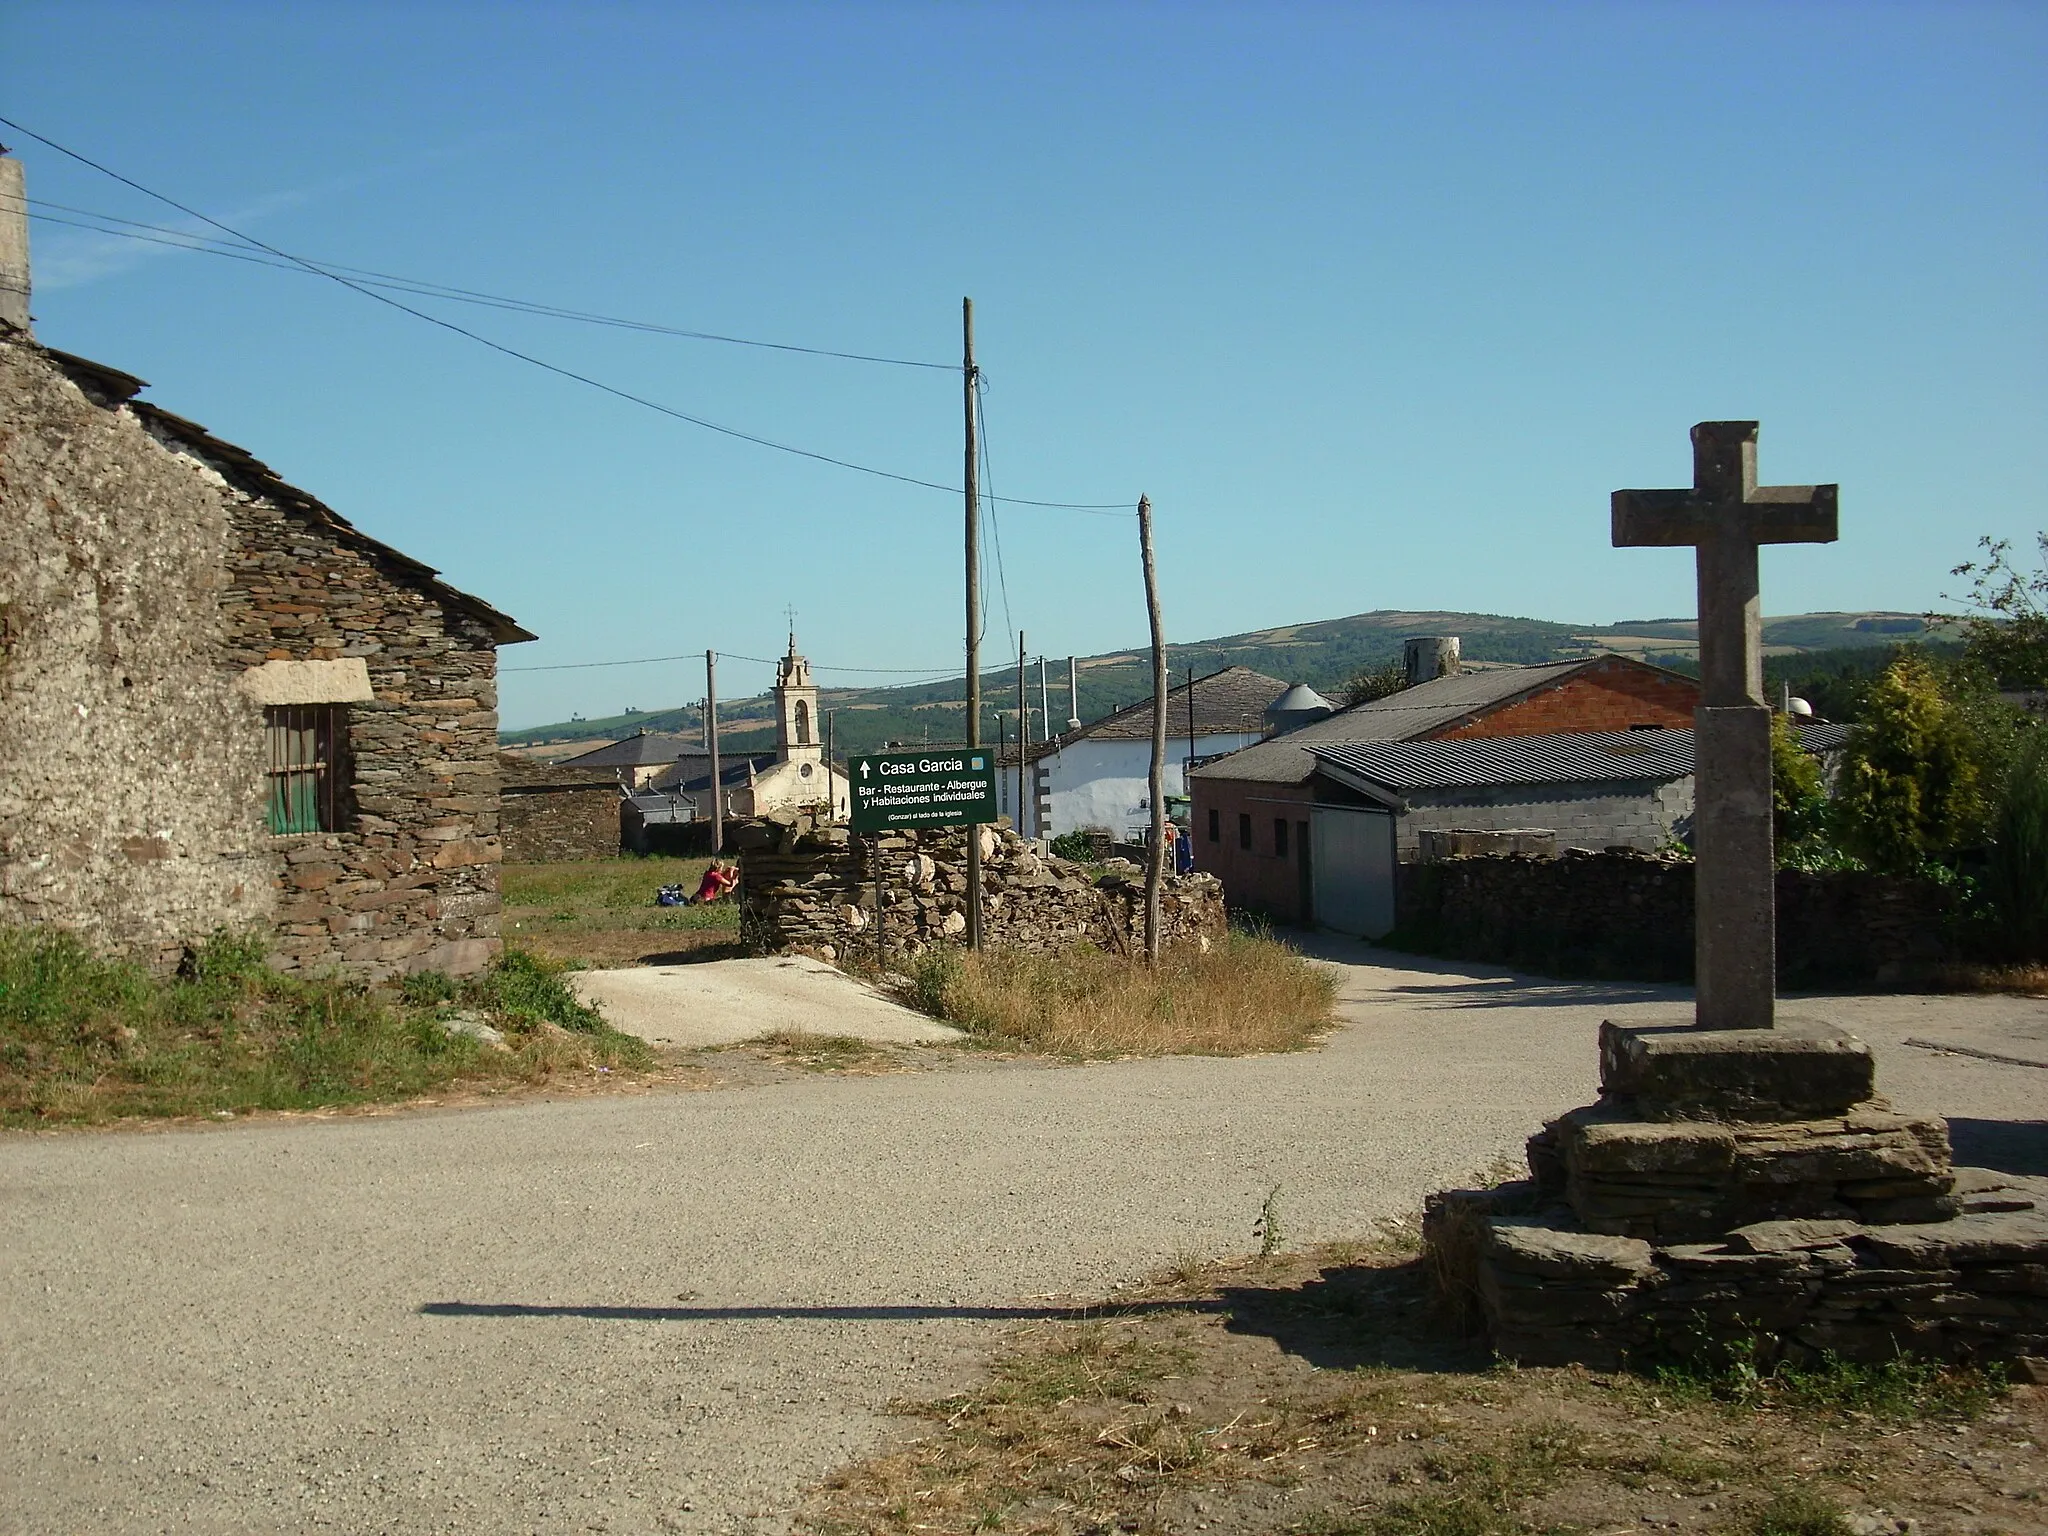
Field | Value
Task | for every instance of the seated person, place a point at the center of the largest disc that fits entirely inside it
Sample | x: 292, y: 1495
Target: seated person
x: 718, y: 881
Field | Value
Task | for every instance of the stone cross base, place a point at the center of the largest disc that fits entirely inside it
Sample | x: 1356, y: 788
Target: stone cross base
x: 1741, y: 1186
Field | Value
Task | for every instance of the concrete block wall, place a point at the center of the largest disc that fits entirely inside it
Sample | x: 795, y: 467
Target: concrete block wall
x: 1595, y: 818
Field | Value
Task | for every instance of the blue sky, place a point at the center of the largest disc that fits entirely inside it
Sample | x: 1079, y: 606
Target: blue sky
x: 1378, y: 302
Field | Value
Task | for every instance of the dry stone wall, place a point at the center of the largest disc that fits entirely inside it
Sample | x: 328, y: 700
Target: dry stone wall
x: 809, y: 888
x: 1630, y: 915
x: 554, y: 815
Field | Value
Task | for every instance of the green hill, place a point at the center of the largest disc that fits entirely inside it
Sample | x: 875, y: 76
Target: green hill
x: 1325, y: 654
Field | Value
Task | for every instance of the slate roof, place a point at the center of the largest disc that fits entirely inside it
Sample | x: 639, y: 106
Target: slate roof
x: 639, y: 751
x: 692, y: 771
x: 243, y: 470
x: 1576, y: 758
x: 1233, y: 700
x: 1402, y: 716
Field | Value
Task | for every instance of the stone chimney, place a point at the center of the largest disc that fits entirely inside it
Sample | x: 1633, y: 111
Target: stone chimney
x: 1427, y: 657
x: 13, y: 243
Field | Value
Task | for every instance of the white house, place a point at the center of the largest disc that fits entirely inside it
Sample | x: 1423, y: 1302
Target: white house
x: 1098, y: 776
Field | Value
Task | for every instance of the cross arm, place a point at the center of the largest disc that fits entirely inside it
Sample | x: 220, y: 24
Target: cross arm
x: 1770, y: 514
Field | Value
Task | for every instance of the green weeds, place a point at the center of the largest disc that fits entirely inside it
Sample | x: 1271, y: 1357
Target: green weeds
x: 86, y: 1038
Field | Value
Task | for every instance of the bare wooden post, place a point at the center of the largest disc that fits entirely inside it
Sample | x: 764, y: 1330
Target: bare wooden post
x: 831, y: 794
x: 1155, y: 852
x: 973, y: 484
x: 711, y: 746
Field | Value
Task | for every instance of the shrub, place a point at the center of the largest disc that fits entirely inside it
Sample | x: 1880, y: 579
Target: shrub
x: 2016, y: 875
x: 1911, y: 785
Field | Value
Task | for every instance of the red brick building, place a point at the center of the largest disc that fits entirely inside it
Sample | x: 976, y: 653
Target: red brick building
x: 1252, y: 809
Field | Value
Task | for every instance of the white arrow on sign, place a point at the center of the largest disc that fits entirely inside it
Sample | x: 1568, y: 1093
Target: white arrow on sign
x: 863, y: 770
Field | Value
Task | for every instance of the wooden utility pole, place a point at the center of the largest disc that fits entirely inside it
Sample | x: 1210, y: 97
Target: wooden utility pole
x: 1155, y: 851
x: 711, y: 746
x: 972, y: 483
x: 1023, y: 731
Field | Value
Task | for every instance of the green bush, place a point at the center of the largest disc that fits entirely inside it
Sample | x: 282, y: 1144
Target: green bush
x: 529, y: 989
x: 1912, y: 783
x: 2016, y: 875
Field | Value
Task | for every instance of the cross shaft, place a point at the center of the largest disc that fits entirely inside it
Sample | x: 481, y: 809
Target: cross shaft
x: 1726, y: 515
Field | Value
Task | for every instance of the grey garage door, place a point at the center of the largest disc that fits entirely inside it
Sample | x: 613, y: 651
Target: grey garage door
x: 1353, y: 860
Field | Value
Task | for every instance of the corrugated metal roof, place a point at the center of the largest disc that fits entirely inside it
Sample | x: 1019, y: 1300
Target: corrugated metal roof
x: 1577, y: 758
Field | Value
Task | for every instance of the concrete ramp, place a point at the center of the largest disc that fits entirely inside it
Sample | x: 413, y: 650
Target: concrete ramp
x: 722, y: 1002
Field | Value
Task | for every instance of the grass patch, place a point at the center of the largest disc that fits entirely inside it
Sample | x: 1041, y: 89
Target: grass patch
x: 1898, y: 1391
x: 818, y: 1053
x: 1245, y: 994
x: 1798, y: 1512
x: 85, y: 1038
x: 603, y: 911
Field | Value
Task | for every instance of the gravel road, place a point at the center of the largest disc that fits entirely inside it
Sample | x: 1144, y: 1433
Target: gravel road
x: 670, y: 1312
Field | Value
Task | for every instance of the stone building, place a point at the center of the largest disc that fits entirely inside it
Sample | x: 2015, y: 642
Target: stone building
x: 225, y: 707
x: 1261, y: 814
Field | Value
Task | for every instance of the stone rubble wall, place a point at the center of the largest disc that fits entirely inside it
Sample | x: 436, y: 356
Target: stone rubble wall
x: 140, y: 575
x: 131, y: 794
x: 1627, y: 915
x: 556, y: 815
x: 809, y: 888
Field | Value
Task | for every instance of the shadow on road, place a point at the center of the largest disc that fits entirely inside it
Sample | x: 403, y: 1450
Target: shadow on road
x: 2006, y: 1146
x: 1355, y: 1315
x: 1473, y: 983
x: 882, y: 1313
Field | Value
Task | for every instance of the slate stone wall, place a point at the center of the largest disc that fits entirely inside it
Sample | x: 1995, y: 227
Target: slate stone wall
x: 810, y: 889
x: 553, y: 815
x: 143, y: 568
x: 1631, y: 917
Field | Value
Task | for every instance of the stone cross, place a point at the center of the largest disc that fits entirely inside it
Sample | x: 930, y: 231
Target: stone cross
x: 1725, y: 514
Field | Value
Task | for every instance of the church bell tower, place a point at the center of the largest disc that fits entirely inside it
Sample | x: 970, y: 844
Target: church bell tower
x: 796, y: 710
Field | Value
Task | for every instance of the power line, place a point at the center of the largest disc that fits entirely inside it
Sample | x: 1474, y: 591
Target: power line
x: 995, y: 526
x: 183, y: 240
x: 1099, y: 508
x: 769, y: 661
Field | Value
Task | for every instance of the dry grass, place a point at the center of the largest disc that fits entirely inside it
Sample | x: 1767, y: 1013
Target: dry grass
x: 1314, y: 1394
x: 1243, y: 995
x: 2026, y: 980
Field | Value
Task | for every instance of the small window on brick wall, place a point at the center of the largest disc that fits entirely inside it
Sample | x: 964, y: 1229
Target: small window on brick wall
x: 1244, y: 830
x: 1280, y: 836
x: 308, y: 778
x: 1215, y: 826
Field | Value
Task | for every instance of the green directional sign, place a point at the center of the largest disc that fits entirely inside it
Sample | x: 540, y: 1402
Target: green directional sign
x: 932, y: 787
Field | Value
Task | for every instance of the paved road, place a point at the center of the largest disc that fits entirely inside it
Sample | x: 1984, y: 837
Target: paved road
x: 670, y: 1312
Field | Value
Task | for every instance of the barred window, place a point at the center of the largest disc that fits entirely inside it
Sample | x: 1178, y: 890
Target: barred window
x: 308, y: 781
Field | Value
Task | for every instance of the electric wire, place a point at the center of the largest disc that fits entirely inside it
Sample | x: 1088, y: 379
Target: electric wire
x: 1095, y: 508
x: 181, y: 240
x: 995, y: 527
